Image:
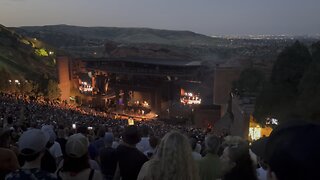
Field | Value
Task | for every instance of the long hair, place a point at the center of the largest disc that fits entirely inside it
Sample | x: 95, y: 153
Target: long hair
x: 175, y: 159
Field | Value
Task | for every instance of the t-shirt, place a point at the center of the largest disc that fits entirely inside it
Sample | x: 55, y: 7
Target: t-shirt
x: 130, y: 161
x: 108, y: 161
x: 210, y: 167
x: 30, y: 174
x: 48, y: 163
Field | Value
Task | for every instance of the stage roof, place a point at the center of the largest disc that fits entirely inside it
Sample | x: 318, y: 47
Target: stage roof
x: 153, y: 61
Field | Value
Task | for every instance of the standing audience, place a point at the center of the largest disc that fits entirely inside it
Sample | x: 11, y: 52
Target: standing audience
x: 130, y: 159
x: 238, y: 163
x: 32, y: 145
x: 76, y: 163
x: 173, y: 160
x: 108, y: 157
x: 210, y: 166
x: 8, y: 158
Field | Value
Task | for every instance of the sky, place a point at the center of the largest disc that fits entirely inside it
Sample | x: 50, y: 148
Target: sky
x: 210, y: 17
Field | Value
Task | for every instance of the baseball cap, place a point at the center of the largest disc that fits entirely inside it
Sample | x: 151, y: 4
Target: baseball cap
x: 291, y: 150
x: 77, y: 145
x: 33, y: 139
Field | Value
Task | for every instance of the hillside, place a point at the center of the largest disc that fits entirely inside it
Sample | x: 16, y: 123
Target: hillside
x: 95, y: 35
x: 25, y: 58
x: 166, y: 44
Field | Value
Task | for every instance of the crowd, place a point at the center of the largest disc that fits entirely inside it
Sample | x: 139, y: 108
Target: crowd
x: 43, y: 140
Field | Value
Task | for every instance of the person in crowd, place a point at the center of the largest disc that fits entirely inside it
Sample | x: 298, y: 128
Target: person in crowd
x: 237, y: 161
x: 193, y: 143
x: 173, y: 160
x: 62, y: 140
x: 54, y: 146
x: 76, y: 163
x: 144, y: 144
x: 108, y: 157
x: 291, y: 151
x: 116, y: 141
x: 99, y: 142
x: 210, y: 165
x: 32, y: 145
x: 8, y: 159
x: 262, y: 169
x: 154, y: 142
x: 130, y: 159
x: 49, y: 162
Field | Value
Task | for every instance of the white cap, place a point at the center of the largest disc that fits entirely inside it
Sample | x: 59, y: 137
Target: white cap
x: 77, y: 145
x: 33, y: 139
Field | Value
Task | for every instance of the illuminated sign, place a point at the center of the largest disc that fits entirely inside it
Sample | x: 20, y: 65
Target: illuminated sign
x: 130, y: 122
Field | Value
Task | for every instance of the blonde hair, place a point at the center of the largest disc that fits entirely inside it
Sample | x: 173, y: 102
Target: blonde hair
x: 175, y: 159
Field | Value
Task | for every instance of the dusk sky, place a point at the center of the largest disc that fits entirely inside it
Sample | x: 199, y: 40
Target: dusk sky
x: 210, y: 17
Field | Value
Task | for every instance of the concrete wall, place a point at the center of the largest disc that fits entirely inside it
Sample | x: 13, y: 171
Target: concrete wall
x: 64, y: 77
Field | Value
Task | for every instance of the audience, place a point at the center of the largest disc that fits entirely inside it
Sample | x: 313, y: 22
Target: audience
x: 237, y: 161
x: 130, y: 159
x: 32, y: 145
x: 210, y: 166
x: 154, y: 142
x: 8, y: 158
x: 144, y: 144
x: 291, y: 151
x: 108, y: 157
x: 173, y: 160
x: 28, y: 140
x: 195, y: 154
x: 76, y: 163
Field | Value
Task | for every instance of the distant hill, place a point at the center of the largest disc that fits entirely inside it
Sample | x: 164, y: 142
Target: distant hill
x: 78, y: 35
x: 23, y: 57
x: 129, y: 42
x: 166, y: 44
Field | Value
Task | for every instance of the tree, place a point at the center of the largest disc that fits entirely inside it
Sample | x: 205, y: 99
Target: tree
x: 26, y: 87
x: 4, y: 80
x: 53, y: 91
x: 279, y: 96
x: 251, y: 80
x: 309, y: 99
